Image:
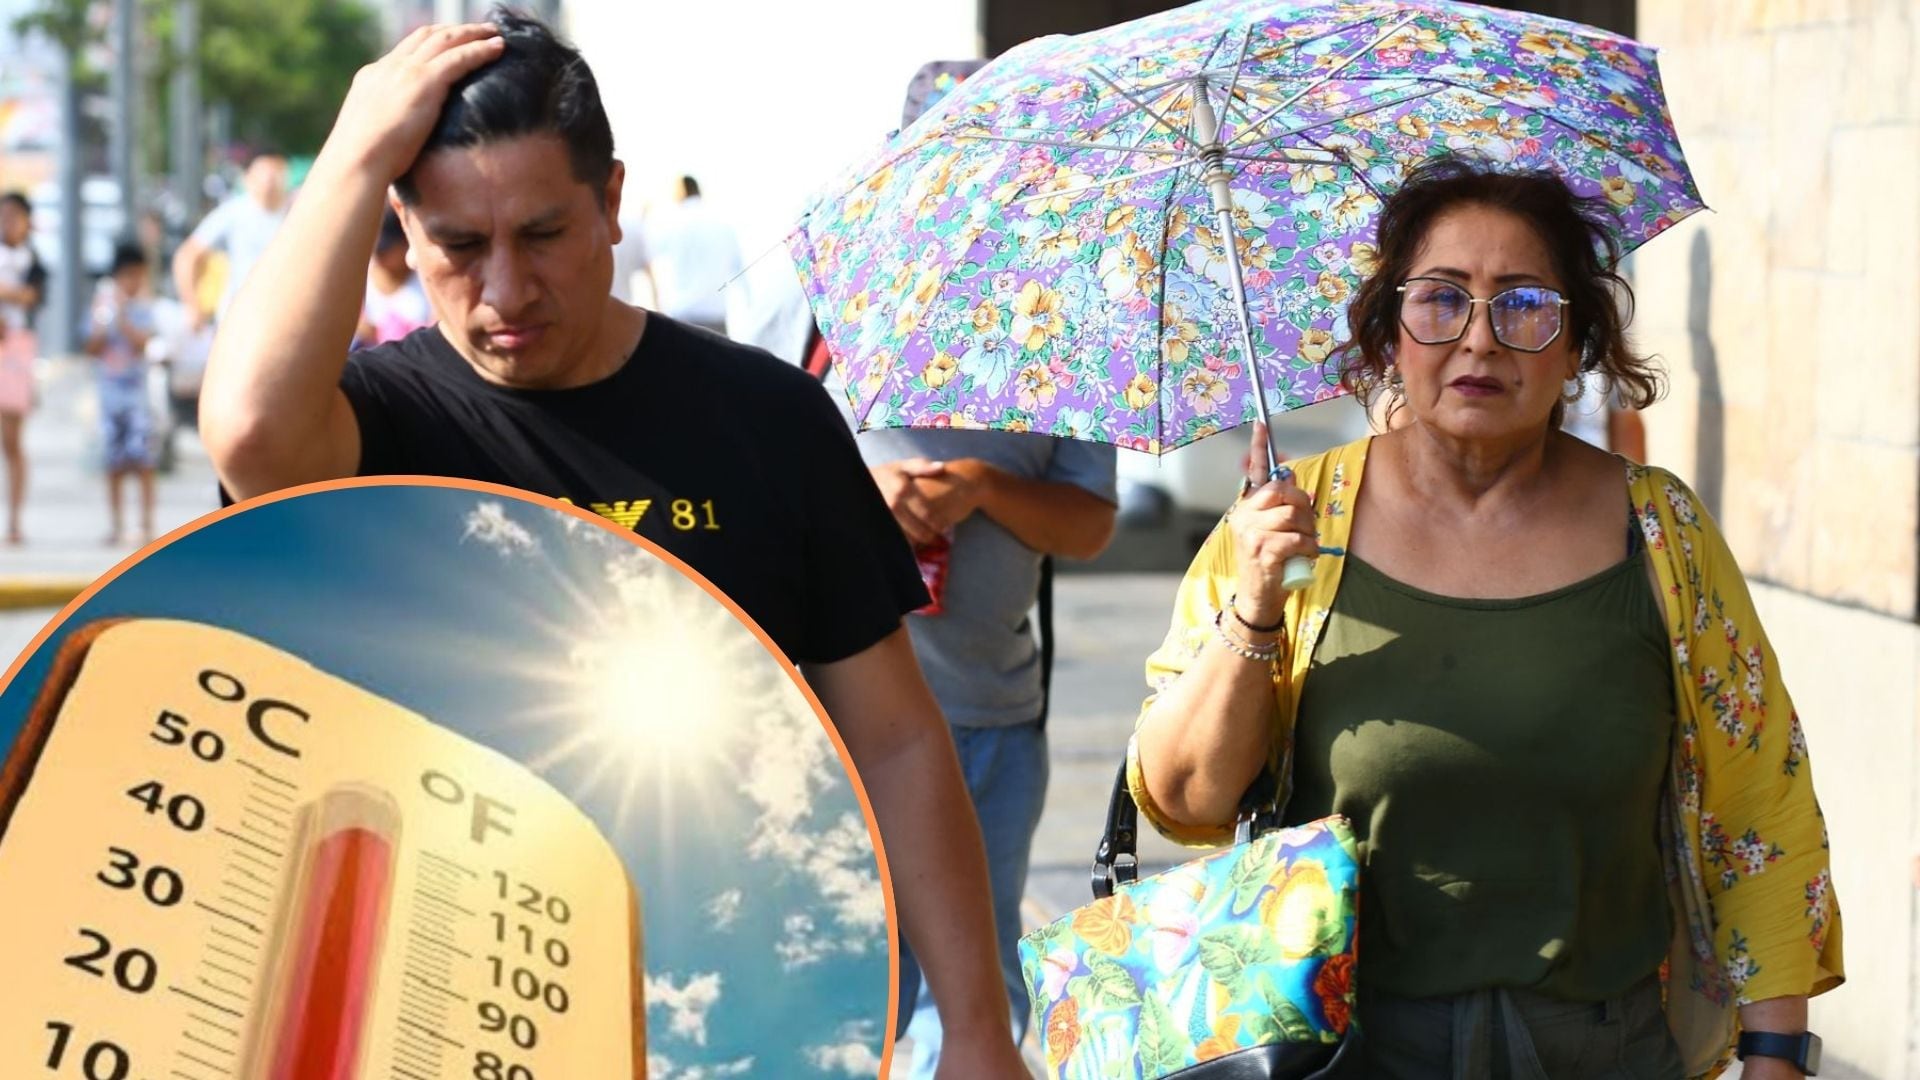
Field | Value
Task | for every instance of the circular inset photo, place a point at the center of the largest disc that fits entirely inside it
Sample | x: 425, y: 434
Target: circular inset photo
x: 424, y: 780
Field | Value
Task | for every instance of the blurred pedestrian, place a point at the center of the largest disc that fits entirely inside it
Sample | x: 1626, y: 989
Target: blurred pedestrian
x: 119, y: 328
x: 498, y: 153
x: 396, y: 305
x: 688, y: 253
x: 23, y: 284
x: 242, y: 226
x: 984, y: 511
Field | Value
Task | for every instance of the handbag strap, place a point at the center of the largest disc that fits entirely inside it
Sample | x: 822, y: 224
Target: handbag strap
x: 1117, y: 862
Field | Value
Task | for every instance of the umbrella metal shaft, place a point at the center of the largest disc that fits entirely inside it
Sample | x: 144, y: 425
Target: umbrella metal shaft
x: 1297, y: 573
x: 1207, y: 128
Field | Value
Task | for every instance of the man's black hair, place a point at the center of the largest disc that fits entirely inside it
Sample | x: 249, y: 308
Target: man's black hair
x: 126, y: 255
x: 539, y: 85
x: 15, y: 198
x: 689, y: 187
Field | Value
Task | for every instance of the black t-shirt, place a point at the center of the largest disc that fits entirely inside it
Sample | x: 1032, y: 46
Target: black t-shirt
x: 728, y: 458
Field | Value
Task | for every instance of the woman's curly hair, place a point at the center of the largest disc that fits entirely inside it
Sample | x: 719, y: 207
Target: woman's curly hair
x: 1578, y: 238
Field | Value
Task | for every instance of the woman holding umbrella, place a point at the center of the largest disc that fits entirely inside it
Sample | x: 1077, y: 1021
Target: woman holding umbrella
x: 1530, y: 674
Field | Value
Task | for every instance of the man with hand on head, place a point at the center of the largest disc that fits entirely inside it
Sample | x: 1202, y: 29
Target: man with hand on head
x: 491, y: 144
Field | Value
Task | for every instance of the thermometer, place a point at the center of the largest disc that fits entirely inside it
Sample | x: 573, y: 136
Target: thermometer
x: 217, y: 861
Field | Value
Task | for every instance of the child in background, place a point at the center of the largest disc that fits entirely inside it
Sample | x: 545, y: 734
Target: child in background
x: 23, y: 283
x: 396, y: 305
x: 118, y: 331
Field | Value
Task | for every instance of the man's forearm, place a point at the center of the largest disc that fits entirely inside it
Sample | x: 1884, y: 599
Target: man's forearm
x: 899, y: 743
x: 939, y: 870
x: 1048, y: 516
x: 186, y: 270
x: 271, y: 382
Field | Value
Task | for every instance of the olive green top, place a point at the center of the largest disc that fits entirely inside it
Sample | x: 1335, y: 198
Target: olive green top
x: 1502, y: 763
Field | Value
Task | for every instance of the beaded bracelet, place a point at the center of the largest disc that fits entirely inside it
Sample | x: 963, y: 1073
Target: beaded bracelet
x: 1226, y: 629
x: 1245, y: 649
x: 1233, y: 605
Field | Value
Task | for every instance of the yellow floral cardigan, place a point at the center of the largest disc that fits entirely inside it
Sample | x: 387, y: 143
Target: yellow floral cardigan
x: 1745, y: 843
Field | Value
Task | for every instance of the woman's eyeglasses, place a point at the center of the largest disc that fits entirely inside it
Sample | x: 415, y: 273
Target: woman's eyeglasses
x: 1437, y: 312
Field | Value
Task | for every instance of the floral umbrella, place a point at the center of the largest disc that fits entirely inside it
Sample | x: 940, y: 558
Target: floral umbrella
x: 1042, y: 251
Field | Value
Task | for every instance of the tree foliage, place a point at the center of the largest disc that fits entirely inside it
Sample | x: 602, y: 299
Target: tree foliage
x: 62, y: 21
x: 283, y: 66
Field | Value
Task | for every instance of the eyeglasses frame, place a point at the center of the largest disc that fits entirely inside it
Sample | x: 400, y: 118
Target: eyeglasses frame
x: 1401, y: 291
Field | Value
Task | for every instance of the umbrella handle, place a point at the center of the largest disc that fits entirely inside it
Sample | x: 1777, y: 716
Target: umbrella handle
x: 1296, y: 573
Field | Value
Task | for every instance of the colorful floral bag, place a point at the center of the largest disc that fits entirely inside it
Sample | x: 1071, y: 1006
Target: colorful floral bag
x: 1236, y: 966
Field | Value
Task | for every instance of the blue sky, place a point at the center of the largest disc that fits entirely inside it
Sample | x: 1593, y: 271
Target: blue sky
x: 765, y: 928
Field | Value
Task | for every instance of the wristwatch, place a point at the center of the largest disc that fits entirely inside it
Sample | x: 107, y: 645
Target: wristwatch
x: 1803, y: 1049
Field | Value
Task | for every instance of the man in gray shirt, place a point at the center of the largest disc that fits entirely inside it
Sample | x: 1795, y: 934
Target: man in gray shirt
x: 983, y: 510
x: 1000, y: 502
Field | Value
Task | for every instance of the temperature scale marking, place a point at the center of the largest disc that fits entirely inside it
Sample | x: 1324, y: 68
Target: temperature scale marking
x: 220, y: 863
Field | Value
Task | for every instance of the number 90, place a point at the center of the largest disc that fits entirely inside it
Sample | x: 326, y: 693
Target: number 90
x: 518, y: 1028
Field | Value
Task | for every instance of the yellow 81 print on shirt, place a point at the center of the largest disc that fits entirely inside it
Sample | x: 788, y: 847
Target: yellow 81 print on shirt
x: 685, y: 515
x: 689, y: 516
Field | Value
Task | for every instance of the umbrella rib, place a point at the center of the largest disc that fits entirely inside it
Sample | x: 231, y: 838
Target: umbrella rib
x: 1283, y: 47
x: 1239, y: 65
x: 1136, y: 146
x: 1546, y: 114
x: 1303, y: 129
x: 1068, y: 144
x: 1143, y: 107
x: 1358, y: 172
x: 1326, y: 78
x: 1285, y: 156
x: 1219, y: 40
x: 1043, y: 195
x: 1160, y: 316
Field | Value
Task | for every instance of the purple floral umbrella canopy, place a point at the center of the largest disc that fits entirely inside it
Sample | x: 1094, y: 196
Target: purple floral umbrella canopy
x: 1041, y: 251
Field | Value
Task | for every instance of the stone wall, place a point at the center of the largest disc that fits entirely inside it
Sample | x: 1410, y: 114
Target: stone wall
x: 1789, y: 315
x: 1789, y: 320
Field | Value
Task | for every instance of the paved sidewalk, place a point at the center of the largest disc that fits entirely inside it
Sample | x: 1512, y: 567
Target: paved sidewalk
x: 66, y: 514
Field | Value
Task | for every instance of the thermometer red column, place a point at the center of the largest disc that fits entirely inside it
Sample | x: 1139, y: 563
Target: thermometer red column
x: 332, y: 938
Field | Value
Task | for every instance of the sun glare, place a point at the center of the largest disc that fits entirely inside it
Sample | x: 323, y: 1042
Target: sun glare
x: 659, y: 694
x: 656, y: 694
x: 653, y: 696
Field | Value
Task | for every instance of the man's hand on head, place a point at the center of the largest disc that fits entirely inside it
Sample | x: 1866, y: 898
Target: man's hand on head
x: 395, y: 101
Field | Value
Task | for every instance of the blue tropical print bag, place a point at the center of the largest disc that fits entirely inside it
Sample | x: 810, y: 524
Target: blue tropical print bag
x: 1236, y: 965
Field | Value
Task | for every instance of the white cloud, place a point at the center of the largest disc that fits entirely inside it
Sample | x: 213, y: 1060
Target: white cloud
x: 489, y: 524
x: 800, y: 945
x: 661, y: 1067
x: 791, y: 763
x: 687, y: 1005
x: 852, y: 1055
x: 724, y: 909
